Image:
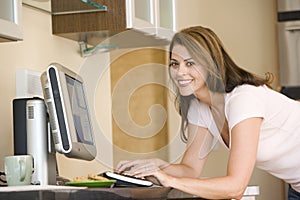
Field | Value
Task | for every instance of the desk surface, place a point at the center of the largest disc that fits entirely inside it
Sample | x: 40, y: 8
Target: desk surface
x: 76, y: 193
x: 51, y: 192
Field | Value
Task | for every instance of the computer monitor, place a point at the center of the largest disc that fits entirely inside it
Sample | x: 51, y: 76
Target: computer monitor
x: 67, y: 106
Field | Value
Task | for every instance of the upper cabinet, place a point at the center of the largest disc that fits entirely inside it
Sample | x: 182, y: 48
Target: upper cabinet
x: 92, y: 21
x: 152, y: 16
x: 142, y: 14
x: 80, y: 21
x: 167, y: 19
x: 10, y: 20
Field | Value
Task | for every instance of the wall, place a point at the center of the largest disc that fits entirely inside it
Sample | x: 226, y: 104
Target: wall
x: 247, y: 29
x: 38, y: 49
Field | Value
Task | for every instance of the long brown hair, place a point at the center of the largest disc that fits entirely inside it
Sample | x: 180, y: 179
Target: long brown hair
x: 224, y: 74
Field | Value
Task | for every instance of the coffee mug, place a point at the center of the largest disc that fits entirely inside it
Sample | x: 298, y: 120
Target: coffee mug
x: 18, y: 169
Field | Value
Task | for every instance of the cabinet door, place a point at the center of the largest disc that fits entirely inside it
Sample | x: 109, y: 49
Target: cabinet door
x: 152, y: 16
x: 166, y: 18
x: 10, y: 20
x: 141, y: 14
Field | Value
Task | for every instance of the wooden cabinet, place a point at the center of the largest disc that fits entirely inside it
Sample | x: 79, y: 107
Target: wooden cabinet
x: 79, y: 21
x: 88, y: 24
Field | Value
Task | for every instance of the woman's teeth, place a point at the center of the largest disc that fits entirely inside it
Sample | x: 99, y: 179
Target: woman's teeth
x: 184, y: 82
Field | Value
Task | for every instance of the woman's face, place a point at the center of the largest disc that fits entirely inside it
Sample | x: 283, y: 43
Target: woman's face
x: 188, y: 75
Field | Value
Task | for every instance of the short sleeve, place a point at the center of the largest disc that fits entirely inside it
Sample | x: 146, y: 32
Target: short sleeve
x: 198, y: 113
x: 244, y: 103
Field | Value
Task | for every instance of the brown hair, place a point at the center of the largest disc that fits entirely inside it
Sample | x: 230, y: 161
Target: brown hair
x: 224, y: 74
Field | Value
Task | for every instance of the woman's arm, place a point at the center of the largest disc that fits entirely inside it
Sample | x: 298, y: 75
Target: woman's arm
x: 190, y: 166
x: 242, y: 158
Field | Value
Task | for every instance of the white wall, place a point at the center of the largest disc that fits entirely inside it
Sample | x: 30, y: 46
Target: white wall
x: 246, y: 27
x: 38, y: 49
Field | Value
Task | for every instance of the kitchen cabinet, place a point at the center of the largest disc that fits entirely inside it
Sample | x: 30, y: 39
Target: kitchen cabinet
x: 152, y: 16
x: 10, y: 20
x: 89, y: 25
x: 167, y: 19
x: 141, y: 14
x: 144, y: 22
x: 132, y: 23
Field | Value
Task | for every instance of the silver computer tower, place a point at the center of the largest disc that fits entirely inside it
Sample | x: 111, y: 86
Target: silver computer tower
x: 39, y: 143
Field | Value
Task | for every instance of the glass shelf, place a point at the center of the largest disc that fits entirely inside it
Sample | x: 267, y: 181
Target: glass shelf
x: 87, y: 51
x: 45, y: 6
x: 96, y: 5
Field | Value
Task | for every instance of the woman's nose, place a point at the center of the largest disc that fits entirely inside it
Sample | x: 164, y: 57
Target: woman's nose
x: 182, y: 68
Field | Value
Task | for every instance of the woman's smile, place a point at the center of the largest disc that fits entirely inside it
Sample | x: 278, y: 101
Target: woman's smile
x: 185, y: 82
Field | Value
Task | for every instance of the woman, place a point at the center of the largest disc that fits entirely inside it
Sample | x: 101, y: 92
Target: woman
x: 220, y: 101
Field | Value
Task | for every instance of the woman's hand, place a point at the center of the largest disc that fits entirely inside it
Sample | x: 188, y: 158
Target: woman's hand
x: 160, y: 177
x: 142, y: 167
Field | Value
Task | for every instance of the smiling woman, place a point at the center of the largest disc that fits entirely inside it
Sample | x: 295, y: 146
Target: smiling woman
x: 212, y: 93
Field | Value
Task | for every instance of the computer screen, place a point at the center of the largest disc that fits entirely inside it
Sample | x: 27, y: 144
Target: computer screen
x: 67, y: 106
x: 80, y: 111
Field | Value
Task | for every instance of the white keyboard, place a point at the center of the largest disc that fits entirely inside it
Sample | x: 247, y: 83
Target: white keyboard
x: 125, y: 180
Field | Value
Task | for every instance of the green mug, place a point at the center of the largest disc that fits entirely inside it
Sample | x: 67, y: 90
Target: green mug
x: 18, y: 169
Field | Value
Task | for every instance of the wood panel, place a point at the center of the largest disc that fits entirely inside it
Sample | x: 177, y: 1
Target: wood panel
x: 112, y: 20
x: 140, y: 99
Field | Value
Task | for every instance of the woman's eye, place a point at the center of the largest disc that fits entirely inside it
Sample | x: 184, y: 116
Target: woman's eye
x: 190, y: 64
x: 174, y: 64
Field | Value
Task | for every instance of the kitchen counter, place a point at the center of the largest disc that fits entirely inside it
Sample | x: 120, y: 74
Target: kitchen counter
x: 50, y: 192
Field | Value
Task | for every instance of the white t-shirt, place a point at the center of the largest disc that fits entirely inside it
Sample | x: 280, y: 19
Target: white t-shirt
x: 279, y: 140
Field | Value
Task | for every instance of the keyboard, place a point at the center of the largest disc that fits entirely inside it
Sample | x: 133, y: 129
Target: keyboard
x: 127, y: 181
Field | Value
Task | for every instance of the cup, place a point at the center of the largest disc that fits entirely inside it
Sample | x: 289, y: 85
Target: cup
x: 18, y: 169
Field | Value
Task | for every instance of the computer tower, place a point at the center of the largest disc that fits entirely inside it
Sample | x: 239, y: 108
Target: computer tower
x: 19, y: 125
x: 32, y: 136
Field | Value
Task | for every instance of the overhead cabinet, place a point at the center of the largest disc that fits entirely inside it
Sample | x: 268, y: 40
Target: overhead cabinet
x: 155, y: 17
x: 79, y: 21
x: 82, y: 21
x: 10, y: 20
